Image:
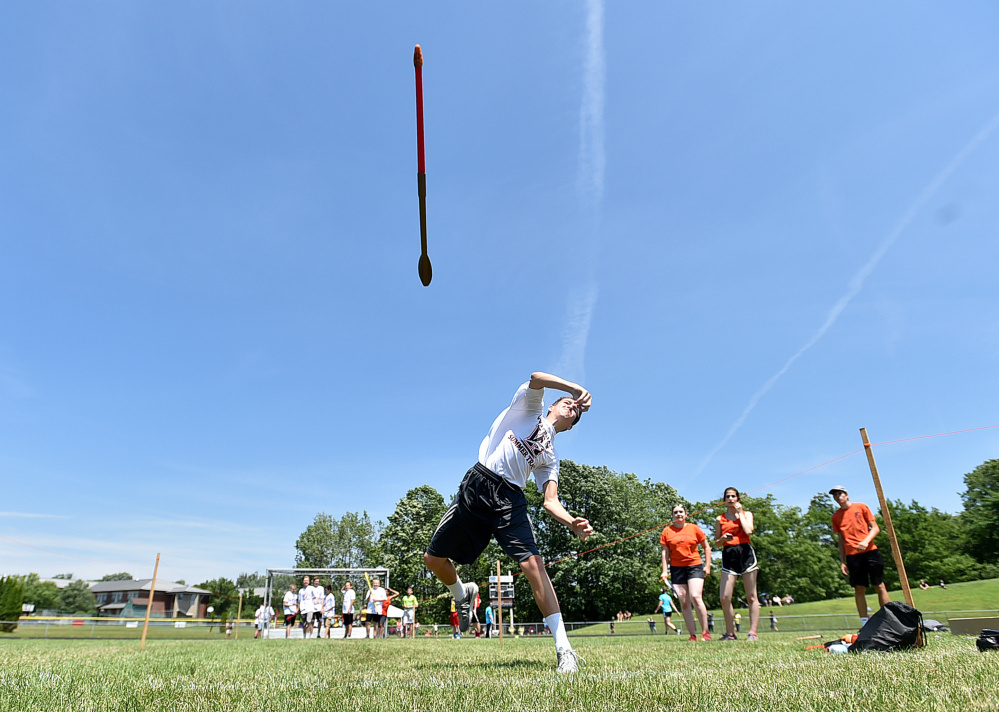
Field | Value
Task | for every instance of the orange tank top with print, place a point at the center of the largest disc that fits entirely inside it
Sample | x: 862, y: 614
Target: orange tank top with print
x: 728, y: 526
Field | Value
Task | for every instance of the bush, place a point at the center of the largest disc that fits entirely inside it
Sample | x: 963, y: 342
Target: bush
x: 11, y: 595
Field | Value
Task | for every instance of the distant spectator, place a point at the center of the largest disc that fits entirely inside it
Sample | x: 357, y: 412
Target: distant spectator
x: 329, y: 610
x: 773, y: 621
x: 347, y: 608
x: 409, y: 606
x: 738, y: 622
x: 652, y: 625
x: 942, y: 584
x: 666, y: 603
x: 290, y: 609
x: 489, y: 621
x: 923, y: 585
x: 455, y: 633
x: 307, y: 606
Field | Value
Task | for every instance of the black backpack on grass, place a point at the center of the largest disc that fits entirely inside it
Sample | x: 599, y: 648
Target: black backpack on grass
x: 897, y: 626
x: 988, y: 640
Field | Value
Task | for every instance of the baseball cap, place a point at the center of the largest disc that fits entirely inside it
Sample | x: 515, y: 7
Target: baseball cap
x: 838, y: 488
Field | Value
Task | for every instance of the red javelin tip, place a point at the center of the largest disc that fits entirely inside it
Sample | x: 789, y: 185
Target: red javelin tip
x: 417, y: 57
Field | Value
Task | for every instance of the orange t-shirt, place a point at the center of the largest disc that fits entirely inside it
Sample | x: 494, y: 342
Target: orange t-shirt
x: 853, y: 524
x: 683, y: 544
x: 739, y: 536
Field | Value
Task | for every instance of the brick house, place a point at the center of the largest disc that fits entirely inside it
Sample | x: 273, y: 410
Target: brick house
x: 128, y: 599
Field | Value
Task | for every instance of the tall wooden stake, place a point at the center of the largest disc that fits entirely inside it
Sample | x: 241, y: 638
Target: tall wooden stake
x: 499, y: 601
x: 239, y: 614
x: 149, y: 602
x: 886, y: 513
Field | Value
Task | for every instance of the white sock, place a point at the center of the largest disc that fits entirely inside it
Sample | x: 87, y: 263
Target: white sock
x: 863, y: 622
x: 457, y: 590
x: 557, y: 627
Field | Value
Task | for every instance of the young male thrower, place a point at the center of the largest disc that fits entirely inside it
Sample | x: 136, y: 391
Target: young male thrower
x: 859, y: 557
x: 491, y: 502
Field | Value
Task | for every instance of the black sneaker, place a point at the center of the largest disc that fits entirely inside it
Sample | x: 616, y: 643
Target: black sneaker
x: 465, y: 606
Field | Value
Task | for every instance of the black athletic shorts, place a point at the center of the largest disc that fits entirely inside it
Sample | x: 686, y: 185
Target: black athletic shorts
x: 289, y: 618
x: 309, y: 618
x: 486, y: 506
x: 348, y: 619
x: 682, y: 574
x: 376, y: 618
x: 739, y: 559
x: 866, y: 569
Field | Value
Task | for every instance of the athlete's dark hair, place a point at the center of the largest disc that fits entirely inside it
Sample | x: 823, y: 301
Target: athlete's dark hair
x: 738, y: 497
x: 579, y: 413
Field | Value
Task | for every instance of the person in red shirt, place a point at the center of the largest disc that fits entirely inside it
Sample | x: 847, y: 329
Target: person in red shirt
x: 683, y: 566
x: 859, y: 557
x: 732, y: 530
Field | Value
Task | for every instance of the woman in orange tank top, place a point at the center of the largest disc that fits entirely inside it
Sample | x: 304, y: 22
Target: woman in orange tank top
x: 732, y: 530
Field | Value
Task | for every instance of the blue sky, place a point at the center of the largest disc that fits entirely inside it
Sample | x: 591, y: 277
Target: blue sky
x: 749, y: 229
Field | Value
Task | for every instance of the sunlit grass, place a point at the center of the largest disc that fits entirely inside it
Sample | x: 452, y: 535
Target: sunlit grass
x: 641, y: 673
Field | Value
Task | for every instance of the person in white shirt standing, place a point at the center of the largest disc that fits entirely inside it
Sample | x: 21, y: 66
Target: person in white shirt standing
x: 290, y: 609
x: 329, y: 610
x: 318, y: 595
x: 378, y: 600
x: 347, y: 608
x: 306, y: 606
x: 491, y: 502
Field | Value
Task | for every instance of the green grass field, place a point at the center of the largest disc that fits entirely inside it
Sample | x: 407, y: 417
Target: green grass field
x: 634, y: 673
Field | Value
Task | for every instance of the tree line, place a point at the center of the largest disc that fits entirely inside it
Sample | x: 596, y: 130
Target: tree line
x: 796, y: 548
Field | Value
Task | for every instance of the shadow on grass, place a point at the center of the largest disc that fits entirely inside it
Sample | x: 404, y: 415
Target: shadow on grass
x: 488, y: 665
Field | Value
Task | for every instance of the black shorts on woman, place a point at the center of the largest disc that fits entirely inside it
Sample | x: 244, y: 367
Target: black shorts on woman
x: 739, y: 559
x: 486, y: 506
x: 680, y: 575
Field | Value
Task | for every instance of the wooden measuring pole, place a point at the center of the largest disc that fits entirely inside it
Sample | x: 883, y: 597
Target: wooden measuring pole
x: 149, y: 602
x: 886, y: 513
x: 239, y: 614
x: 499, y: 601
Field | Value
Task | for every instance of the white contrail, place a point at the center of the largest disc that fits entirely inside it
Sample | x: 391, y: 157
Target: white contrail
x: 591, y: 114
x: 857, y: 282
x: 590, y: 183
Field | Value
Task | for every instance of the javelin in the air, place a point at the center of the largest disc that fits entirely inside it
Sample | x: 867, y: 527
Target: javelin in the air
x: 426, y: 271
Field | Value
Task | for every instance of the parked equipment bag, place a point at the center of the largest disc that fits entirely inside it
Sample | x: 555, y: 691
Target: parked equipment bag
x: 897, y: 626
x: 988, y: 640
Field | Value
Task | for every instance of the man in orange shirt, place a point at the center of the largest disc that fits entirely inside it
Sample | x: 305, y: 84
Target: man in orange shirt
x: 859, y: 557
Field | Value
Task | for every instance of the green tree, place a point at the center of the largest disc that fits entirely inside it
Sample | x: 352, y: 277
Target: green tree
x: 43, y: 595
x: 120, y: 576
x: 929, y: 543
x: 351, y: 542
x: 77, y: 598
x: 224, y: 597
x: 250, y: 581
x: 980, y: 517
x: 403, y: 541
x: 64, y: 577
x: 605, y: 579
x: 11, y: 597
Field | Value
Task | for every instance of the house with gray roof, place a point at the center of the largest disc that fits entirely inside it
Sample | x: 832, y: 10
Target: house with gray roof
x: 128, y: 599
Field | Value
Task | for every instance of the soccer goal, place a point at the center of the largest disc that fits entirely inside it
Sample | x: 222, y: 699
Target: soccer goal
x: 279, y: 580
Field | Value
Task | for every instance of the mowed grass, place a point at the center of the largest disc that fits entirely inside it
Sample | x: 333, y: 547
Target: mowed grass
x: 636, y: 673
x: 971, y: 595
